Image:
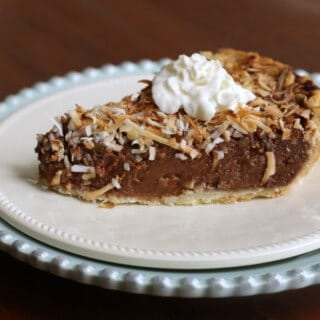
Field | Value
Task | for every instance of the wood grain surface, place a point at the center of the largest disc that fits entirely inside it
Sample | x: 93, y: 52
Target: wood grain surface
x: 43, y: 38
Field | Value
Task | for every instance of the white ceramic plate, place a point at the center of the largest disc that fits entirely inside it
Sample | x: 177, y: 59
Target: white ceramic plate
x: 208, y: 236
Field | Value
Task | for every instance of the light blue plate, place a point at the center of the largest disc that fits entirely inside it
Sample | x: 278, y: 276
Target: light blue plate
x: 293, y: 273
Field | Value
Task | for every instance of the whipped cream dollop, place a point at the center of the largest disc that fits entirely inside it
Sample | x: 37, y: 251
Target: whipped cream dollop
x: 200, y: 86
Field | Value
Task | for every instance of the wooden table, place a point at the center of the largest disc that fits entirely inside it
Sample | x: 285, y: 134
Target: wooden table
x: 40, y: 39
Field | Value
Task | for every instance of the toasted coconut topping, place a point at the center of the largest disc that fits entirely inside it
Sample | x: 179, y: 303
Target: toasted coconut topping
x: 284, y: 103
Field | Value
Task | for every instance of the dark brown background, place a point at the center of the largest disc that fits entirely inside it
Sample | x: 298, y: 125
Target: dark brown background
x: 39, y: 39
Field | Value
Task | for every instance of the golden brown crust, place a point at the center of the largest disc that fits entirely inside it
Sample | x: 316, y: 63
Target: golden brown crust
x: 188, y: 198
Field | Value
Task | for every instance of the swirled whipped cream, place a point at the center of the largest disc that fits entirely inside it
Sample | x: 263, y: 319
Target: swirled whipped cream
x: 201, y: 87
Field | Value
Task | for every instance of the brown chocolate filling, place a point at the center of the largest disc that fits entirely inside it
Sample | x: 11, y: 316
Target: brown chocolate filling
x: 242, y: 167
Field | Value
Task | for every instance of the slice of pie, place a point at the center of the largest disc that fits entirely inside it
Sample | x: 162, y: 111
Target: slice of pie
x: 132, y: 152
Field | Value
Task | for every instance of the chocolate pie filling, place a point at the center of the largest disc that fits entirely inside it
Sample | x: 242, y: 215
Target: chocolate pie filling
x: 242, y: 167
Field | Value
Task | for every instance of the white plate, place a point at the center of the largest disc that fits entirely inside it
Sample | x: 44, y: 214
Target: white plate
x: 207, y: 236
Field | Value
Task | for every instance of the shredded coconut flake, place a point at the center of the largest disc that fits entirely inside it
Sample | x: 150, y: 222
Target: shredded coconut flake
x: 78, y: 168
x: 114, y: 146
x: 57, y: 124
x: 152, y: 153
x: 138, y: 158
x: 116, y: 110
x: 66, y: 162
x: 154, y: 123
x: 270, y: 168
x: 75, y: 116
x: 194, y: 153
x: 115, y: 182
x: 57, y: 178
x: 183, y: 144
x: 161, y: 114
x: 135, y: 96
x: 211, y: 145
x: 220, y: 155
x: 93, y: 195
x: 88, y: 131
x: 306, y: 114
x: 137, y: 151
x: 126, y: 166
x: 181, y: 156
x: 237, y: 134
